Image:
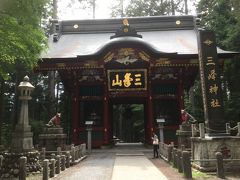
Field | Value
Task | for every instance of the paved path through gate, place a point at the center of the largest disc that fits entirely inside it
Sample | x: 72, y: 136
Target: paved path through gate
x: 135, y: 168
x: 124, y: 162
x: 109, y: 166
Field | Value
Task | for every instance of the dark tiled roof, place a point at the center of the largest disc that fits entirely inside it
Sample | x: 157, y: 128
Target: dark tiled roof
x: 164, y: 34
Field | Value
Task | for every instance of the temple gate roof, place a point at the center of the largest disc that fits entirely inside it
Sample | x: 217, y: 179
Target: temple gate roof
x: 175, y: 35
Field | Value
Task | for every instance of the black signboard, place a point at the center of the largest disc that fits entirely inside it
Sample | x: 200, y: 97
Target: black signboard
x: 127, y: 79
x: 210, y: 80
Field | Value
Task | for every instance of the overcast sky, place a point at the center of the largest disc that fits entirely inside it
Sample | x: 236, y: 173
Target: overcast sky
x: 103, y: 10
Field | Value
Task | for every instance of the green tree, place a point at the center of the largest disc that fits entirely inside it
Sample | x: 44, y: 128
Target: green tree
x: 22, y: 41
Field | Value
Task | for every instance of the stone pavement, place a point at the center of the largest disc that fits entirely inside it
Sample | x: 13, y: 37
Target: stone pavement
x: 95, y: 167
x: 128, y: 162
x: 135, y: 168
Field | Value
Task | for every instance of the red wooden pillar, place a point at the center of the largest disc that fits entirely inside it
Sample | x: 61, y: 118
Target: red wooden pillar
x: 150, y: 119
x: 106, y: 123
x: 75, y: 116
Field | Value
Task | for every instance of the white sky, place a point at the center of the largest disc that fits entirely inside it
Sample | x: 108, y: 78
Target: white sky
x: 103, y: 10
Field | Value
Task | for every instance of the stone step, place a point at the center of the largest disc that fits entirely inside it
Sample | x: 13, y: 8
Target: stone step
x: 129, y: 154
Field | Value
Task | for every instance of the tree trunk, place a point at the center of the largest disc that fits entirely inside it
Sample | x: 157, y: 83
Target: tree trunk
x: 122, y: 14
x: 161, y: 7
x: 173, y: 7
x: 2, y: 84
x: 191, y: 99
x: 186, y: 6
x: 14, y: 115
x: 55, y: 9
x: 94, y: 8
x: 51, y: 74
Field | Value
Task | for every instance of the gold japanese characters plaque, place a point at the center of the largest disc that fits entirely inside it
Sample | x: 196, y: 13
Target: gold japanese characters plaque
x: 127, y: 79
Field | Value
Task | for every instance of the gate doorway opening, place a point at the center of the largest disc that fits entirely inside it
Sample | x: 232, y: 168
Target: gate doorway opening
x: 128, y: 123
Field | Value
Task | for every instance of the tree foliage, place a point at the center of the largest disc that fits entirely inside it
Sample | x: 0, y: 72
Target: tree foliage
x: 22, y: 39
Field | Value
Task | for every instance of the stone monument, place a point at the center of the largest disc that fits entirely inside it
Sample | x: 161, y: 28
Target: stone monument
x: 216, y: 138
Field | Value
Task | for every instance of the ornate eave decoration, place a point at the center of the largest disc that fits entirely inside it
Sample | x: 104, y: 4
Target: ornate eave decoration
x: 126, y: 56
x: 126, y: 30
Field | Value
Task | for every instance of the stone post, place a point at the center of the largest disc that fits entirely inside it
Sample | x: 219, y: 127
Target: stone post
x: 22, y: 168
x: 58, y: 164
x: 1, y: 161
x: 186, y: 162
x: 73, y: 154
x: 169, y: 153
x: 182, y: 147
x: 228, y: 128
x: 193, y: 127
x: 53, y: 156
x: 202, y: 130
x: 59, y: 151
x: 67, y: 159
x: 238, y: 125
x: 161, y: 127
x: 89, y: 140
x: 179, y: 161
x: 45, y: 169
x: 63, y: 163
x: 81, y: 150
x: 52, y: 168
x: 174, y: 157
x: 220, y: 168
x: 76, y: 152
x: 43, y: 153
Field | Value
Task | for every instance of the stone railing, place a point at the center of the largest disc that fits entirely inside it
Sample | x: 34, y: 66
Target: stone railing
x: 61, y: 161
x: 179, y: 158
x: 165, y: 151
x: 198, y: 130
x: 75, y: 151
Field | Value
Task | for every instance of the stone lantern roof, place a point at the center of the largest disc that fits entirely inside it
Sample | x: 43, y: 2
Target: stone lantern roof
x: 25, y: 83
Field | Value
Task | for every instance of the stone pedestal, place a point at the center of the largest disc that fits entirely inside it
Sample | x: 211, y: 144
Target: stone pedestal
x: 205, y: 149
x: 52, y: 138
x: 184, y: 134
x: 22, y: 139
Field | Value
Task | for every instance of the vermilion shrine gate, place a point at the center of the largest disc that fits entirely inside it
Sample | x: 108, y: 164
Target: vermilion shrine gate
x: 149, y: 61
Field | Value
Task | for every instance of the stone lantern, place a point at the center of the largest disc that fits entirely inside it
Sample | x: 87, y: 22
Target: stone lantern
x: 22, y: 136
